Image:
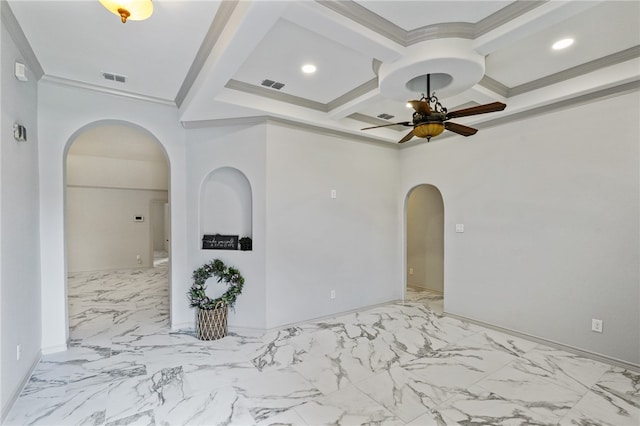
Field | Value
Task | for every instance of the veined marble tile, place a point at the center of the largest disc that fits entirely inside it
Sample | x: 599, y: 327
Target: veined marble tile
x: 454, y: 368
x: 537, y: 393
x: 145, y: 393
x: 329, y: 373
x: 347, y: 406
x: 207, y: 376
x: 602, y: 407
x: 404, y: 394
x: 624, y: 383
x: 563, y: 368
x: 396, y: 363
x: 285, y: 418
x: 276, y: 391
x: 145, y: 418
x: 81, y: 406
x: 222, y: 406
x: 479, y: 406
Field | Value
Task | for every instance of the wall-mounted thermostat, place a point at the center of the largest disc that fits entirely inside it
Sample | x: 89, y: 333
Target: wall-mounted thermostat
x: 138, y: 218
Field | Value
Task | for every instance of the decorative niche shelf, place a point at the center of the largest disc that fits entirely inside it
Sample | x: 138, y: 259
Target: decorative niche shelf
x: 226, y: 205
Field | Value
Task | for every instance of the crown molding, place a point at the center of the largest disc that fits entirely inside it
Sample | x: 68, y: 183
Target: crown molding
x: 364, y: 88
x: 363, y: 16
x: 15, y: 31
x: 264, y: 119
x: 276, y: 95
x: 60, y: 81
x: 582, y: 69
x: 349, y: 96
x: 620, y: 89
x: 495, y: 86
x: 224, y: 12
x: 504, y: 15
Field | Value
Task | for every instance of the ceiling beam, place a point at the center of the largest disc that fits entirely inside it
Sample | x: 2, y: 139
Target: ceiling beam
x: 246, y: 27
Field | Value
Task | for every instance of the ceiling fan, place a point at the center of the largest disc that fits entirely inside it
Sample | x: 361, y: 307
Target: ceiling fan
x: 431, y: 118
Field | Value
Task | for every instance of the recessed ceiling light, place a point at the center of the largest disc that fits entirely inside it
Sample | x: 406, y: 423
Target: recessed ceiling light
x: 308, y: 69
x: 562, y: 44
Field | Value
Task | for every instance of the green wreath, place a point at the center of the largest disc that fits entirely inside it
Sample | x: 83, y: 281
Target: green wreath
x: 230, y: 275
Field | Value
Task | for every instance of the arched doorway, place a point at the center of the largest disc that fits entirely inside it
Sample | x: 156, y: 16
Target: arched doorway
x: 116, y: 190
x: 425, y: 246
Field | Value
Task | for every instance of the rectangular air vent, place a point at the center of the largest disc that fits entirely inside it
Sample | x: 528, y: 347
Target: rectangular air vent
x: 272, y: 84
x: 386, y: 116
x: 114, y: 77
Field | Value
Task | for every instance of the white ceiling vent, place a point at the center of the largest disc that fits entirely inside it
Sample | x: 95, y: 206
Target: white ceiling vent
x: 114, y: 77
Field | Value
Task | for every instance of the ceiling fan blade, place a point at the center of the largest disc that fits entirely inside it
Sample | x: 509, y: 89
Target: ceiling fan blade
x: 460, y: 129
x: 421, y: 106
x: 480, y: 109
x: 407, y: 137
x: 402, y: 123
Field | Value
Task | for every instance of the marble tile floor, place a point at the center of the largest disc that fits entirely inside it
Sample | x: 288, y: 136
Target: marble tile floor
x: 397, y: 364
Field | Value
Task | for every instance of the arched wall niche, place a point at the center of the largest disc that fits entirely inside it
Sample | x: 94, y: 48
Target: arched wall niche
x: 226, y: 203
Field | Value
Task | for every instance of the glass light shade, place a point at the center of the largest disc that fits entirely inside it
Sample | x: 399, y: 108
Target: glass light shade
x: 135, y: 10
x: 428, y: 130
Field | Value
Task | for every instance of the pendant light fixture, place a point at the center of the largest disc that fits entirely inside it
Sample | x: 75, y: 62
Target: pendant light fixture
x: 135, y: 10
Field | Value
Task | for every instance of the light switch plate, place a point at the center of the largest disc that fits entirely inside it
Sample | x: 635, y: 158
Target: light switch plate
x: 459, y: 227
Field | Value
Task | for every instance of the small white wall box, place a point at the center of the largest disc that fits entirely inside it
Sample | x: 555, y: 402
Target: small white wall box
x: 21, y: 72
x: 138, y: 218
x: 19, y: 132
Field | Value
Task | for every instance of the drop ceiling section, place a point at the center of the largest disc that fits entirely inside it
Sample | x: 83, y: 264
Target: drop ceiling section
x: 417, y: 14
x: 339, y: 68
x: 596, y: 33
x: 79, y: 41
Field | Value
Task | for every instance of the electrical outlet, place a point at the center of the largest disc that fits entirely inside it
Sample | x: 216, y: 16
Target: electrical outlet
x: 334, y: 193
x: 410, y: 271
x: 332, y: 294
x: 18, y: 352
x: 139, y: 259
x: 596, y: 325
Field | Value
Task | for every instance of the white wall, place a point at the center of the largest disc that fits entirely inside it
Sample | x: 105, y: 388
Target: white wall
x: 425, y: 238
x: 63, y: 112
x: 315, y: 244
x: 101, y: 232
x: 550, y: 206
x: 241, y: 148
x: 103, y: 196
x: 19, y: 228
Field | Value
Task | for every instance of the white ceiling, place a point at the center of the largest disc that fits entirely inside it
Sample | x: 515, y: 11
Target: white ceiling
x: 210, y: 57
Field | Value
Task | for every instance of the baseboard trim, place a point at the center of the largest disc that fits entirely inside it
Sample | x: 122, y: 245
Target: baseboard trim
x: 54, y: 349
x: 587, y: 354
x: 7, y: 407
x: 336, y: 314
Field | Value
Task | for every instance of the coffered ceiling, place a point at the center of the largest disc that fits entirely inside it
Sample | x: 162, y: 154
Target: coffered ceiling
x: 210, y: 58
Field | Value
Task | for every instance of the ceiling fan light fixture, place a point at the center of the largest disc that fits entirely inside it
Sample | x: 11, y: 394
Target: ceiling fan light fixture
x: 428, y: 130
x: 134, y: 10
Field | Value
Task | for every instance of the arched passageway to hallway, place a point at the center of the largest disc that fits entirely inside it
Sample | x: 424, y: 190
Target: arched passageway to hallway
x: 116, y: 232
x: 424, y: 209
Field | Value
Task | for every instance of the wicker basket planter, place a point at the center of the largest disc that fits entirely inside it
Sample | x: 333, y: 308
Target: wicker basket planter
x: 211, y: 314
x: 211, y: 324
